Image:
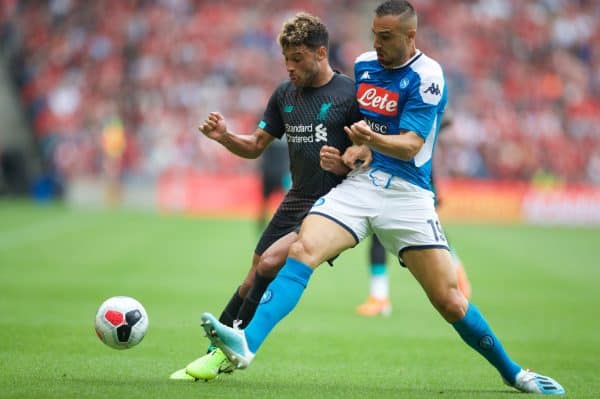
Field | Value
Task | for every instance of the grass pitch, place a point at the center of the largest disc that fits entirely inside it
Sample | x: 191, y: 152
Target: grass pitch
x: 538, y: 288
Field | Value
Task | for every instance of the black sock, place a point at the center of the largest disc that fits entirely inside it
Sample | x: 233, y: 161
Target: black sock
x: 252, y: 300
x: 231, y: 310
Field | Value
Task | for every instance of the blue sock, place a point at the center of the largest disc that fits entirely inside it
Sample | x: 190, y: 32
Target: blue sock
x: 476, y: 332
x: 378, y: 269
x: 285, y: 292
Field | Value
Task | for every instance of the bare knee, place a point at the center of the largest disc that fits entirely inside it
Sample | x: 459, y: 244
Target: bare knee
x: 303, y: 251
x: 451, y: 304
x: 269, y: 265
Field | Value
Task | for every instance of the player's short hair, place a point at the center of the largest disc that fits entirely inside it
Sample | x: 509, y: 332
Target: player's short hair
x: 304, y: 29
x: 395, y: 7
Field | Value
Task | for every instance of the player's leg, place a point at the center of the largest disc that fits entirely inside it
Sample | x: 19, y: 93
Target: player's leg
x: 433, y: 269
x: 270, y: 253
x: 378, y: 302
x: 229, y: 313
x: 267, y: 267
x: 336, y: 222
x: 273, y: 248
x: 214, y: 362
x: 464, y: 285
x: 320, y: 239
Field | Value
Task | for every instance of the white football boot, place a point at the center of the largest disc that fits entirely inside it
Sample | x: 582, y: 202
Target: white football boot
x: 530, y: 382
x: 232, y: 341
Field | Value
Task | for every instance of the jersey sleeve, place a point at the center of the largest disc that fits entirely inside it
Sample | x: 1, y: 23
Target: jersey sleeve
x: 271, y: 121
x: 422, y: 107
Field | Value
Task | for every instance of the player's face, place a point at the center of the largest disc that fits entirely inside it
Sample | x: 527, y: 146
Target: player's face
x: 302, y: 65
x: 393, y: 41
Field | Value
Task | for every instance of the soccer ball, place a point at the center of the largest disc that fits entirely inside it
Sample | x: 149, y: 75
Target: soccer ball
x: 121, y: 322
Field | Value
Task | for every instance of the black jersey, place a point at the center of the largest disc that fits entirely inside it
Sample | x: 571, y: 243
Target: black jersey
x: 310, y: 118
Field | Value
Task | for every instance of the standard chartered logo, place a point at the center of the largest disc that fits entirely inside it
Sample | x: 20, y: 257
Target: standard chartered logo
x: 320, y: 133
x: 306, y: 133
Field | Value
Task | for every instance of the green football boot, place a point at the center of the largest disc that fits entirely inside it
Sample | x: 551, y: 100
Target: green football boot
x: 181, y: 375
x: 209, y: 366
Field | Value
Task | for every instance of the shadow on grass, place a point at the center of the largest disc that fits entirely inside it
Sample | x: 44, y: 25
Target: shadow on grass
x: 240, y: 386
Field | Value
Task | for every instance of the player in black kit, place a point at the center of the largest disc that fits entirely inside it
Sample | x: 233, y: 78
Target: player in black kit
x: 311, y: 109
x: 274, y: 175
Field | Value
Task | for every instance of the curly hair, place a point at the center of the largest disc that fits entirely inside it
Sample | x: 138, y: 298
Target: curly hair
x: 304, y: 29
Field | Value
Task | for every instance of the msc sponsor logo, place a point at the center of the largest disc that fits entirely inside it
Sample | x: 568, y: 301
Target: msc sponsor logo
x: 377, y: 99
x: 376, y: 126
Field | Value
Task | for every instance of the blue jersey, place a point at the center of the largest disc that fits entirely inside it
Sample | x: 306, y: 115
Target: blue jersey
x: 411, y: 97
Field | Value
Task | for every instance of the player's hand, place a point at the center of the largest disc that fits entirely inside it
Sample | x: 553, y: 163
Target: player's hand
x: 331, y: 161
x: 214, y: 127
x: 360, y: 133
x: 357, y: 157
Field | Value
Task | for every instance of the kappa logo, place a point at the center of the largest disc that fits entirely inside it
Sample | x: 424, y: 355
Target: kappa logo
x: 434, y: 89
x: 320, y: 133
x: 365, y: 75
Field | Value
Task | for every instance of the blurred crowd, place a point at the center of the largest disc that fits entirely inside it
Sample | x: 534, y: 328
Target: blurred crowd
x: 123, y: 84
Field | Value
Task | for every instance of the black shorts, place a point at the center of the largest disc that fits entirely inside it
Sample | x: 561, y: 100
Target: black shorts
x: 287, y: 219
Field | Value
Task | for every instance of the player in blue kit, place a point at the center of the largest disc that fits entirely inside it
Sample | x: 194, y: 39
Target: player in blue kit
x: 378, y: 302
x: 402, y: 95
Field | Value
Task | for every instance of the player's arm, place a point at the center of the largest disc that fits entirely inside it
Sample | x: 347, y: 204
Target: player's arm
x: 357, y: 157
x: 331, y: 161
x: 246, y: 146
x: 404, y: 146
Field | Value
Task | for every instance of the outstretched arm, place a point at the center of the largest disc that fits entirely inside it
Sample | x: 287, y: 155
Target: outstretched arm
x: 245, y: 146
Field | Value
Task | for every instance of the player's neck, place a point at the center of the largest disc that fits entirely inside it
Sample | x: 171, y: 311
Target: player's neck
x: 410, y: 56
x: 324, y: 77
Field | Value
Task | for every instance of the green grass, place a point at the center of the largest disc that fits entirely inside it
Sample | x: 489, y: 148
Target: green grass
x: 538, y: 287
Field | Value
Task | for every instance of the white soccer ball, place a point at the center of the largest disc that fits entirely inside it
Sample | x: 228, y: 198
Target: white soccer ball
x: 121, y: 322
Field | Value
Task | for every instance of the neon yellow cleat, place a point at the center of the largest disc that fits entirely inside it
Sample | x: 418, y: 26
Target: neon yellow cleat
x: 181, y: 375
x: 209, y: 366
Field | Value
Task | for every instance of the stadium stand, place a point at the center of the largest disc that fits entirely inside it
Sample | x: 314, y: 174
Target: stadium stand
x: 524, y: 80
